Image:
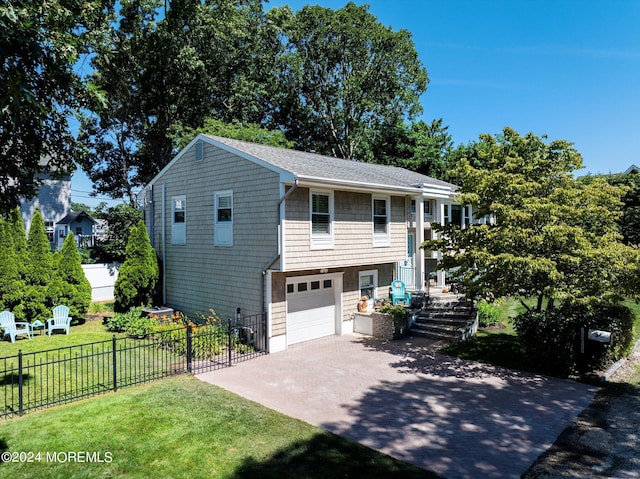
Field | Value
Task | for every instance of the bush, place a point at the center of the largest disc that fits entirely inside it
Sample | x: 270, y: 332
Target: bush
x: 70, y: 286
x: 139, y: 273
x: 120, y: 321
x: 141, y: 326
x: 488, y: 314
x: 551, y: 339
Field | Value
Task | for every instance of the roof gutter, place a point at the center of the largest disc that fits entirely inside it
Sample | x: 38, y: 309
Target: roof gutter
x: 437, y: 191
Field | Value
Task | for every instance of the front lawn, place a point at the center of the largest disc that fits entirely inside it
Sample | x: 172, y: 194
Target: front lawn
x: 183, y: 428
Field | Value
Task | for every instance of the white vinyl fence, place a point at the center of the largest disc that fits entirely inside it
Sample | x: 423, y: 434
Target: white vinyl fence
x: 102, y: 277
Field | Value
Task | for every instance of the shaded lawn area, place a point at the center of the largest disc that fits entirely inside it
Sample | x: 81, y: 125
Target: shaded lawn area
x: 500, y: 345
x: 181, y: 427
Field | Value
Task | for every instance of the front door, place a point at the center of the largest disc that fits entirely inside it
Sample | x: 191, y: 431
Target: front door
x: 411, y: 249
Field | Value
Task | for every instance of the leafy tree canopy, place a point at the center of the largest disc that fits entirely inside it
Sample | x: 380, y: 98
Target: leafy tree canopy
x: 247, y: 132
x: 629, y: 223
x: 120, y: 219
x: 40, y: 44
x: 344, y: 76
x: 553, y: 238
x: 164, y: 68
x: 329, y: 80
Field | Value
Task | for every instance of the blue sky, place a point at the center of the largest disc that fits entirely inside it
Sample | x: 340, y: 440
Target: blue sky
x: 567, y: 69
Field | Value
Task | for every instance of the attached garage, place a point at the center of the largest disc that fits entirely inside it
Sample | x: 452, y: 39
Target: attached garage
x: 313, y: 307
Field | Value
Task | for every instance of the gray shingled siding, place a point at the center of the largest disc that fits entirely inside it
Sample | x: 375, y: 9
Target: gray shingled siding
x: 200, y: 275
x: 353, y: 233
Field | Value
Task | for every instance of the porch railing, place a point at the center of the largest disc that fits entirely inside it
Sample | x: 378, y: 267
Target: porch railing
x: 407, y: 274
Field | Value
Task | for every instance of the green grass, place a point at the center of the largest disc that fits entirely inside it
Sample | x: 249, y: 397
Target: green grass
x: 89, y: 332
x: 58, y: 369
x: 183, y: 428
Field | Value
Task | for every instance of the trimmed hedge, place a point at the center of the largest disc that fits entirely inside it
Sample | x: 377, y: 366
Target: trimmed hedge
x: 552, y: 339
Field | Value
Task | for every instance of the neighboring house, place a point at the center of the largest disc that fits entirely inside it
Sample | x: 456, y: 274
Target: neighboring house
x: 80, y: 224
x: 297, y: 235
x: 54, y: 202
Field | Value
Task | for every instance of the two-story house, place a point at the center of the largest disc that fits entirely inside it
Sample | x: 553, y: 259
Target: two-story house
x: 297, y: 235
x: 54, y: 202
x: 80, y: 224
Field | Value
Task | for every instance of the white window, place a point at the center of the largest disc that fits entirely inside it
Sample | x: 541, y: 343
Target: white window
x: 179, y: 220
x: 223, y: 220
x: 446, y: 213
x: 467, y: 216
x: 49, y: 228
x: 321, y: 214
x: 381, y: 223
x: 369, y: 285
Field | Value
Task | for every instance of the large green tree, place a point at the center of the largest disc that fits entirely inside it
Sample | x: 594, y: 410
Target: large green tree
x: 550, y: 237
x: 40, y: 87
x: 420, y: 146
x: 139, y: 273
x: 16, y: 225
x: 251, y: 132
x: 344, y: 75
x: 630, y: 220
x: 39, y: 271
x: 69, y: 284
x: 120, y: 219
x: 11, y: 286
x: 172, y: 67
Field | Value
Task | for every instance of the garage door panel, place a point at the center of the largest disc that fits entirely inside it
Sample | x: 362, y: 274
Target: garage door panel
x: 311, y: 312
x: 310, y: 301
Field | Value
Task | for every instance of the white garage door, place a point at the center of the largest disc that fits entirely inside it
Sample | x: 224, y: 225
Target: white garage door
x: 311, y: 309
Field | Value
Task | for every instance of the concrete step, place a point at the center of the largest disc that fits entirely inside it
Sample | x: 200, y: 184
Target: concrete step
x: 445, y: 320
x: 452, y: 320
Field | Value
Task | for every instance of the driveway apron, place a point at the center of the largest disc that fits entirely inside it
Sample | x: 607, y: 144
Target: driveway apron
x: 458, y: 418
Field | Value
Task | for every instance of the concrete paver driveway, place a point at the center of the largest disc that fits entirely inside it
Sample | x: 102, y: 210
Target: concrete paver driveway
x: 460, y: 419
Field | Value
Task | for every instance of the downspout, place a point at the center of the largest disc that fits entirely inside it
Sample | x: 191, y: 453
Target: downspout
x: 278, y: 254
x: 163, y: 241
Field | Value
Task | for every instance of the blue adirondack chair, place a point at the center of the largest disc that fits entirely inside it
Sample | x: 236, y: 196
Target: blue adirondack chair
x: 60, y: 320
x: 399, y: 294
x: 12, y: 328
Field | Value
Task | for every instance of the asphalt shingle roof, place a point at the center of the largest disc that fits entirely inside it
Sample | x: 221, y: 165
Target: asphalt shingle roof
x: 311, y: 165
x: 73, y: 216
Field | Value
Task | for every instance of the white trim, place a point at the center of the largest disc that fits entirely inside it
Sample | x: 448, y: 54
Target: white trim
x: 320, y: 241
x: 178, y: 229
x: 374, y: 295
x: 381, y: 239
x: 222, y: 230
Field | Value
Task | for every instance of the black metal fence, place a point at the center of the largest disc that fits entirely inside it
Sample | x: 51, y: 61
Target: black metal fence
x: 46, y: 378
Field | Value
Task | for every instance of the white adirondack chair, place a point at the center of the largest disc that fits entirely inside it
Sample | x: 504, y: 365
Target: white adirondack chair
x: 12, y: 328
x: 60, y: 320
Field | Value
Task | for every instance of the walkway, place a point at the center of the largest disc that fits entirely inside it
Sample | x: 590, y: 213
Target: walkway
x: 458, y: 418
